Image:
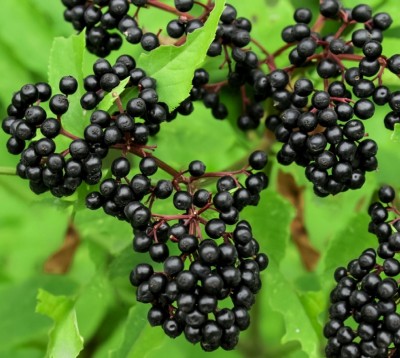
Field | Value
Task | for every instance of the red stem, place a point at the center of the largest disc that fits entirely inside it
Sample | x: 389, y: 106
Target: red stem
x: 171, y: 217
x: 319, y: 23
x: 282, y: 49
x: 159, y: 5
x: 68, y: 134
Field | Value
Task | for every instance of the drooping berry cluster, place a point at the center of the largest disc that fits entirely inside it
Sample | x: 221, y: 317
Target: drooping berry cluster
x: 328, y: 141
x: 40, y: 163
x: 214, y: 263
x: 127, y: 129
x: 363, y: 314
x: 322, y: 130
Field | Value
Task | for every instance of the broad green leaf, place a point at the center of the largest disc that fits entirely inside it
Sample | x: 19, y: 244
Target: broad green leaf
x: 218, y: 148
x: 66, y: 58
x: 396, y: 134
x: 267, y: 25
x: 135, y: 324
x: 150, y: 339
x: 109, y: 233
x: 64, y: 338
x: 92, y: 305
x: 283, y: 298
x: 334, y: 213
x: 125, y: 261
x: 19, y: 323
x: 271, y: 221
x: 348, y: 243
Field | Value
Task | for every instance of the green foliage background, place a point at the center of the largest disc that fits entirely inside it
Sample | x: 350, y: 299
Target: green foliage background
x: 52, y: 315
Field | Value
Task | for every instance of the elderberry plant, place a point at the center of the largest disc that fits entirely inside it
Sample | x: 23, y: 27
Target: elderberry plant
x: 191, y: 211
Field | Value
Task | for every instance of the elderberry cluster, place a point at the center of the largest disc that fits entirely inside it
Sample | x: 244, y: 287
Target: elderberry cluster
x: 188, y: 299
x: 327, y: 140
x: 40, y: 163
x: 363, y: 314
x: 323, y: 130
x: 214, y: 263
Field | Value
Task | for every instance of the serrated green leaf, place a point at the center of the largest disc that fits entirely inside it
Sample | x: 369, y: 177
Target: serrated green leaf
x: 66, y: 58
x: 271, y: 223
x: 396, y: 133
x: 284, y: 298
x: 64, y: 338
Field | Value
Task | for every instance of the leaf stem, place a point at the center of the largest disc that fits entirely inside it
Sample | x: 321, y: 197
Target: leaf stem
x: 7, y: 171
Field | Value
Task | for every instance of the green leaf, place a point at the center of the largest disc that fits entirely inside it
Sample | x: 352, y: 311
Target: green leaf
x: 284, y: 298
x: 64, y: 338
x: 91, y: 308
x: 348, y: 243
x: 108, y: 101
x: 110, y: 234
x: 19, y: 323
x: 66, y: 58
x: 173, y: 67
x: 271, y: 225
x: 135, y: 324
x: 396, y: 133
x: 334, y: 213
x: 184, y: 133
